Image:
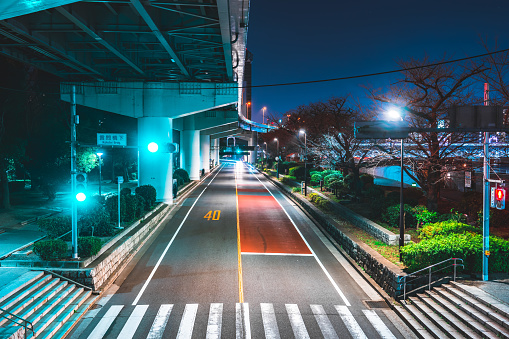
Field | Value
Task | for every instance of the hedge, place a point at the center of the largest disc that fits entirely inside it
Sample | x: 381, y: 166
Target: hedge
x: 391, y: 216
x: 55, y: 226
x: 148, y: 193
x: 52, y: 249
x: 181, y: 175
x: 319, y: 201
x: 467, y: 246
x: 88, y: 246
x: 445, y: 228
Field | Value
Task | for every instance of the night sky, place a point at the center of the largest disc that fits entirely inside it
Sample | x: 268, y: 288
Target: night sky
x: 310, y: 40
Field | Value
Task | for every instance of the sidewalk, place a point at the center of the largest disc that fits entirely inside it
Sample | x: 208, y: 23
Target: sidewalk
x: 18, y: 226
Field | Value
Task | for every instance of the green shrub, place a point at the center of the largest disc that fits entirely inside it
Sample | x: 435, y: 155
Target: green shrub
x: 112, y: 207
x: 470, y: 203
x: 134, y: 207
x: 445, y: 228
x: 424, y: 216
x: 88, y: 246
x: 391, y: 216
x: 148, y: 193
x: 316, y: 178
x: 367, y: 181
x: 288, y: 180
x: 329, y: 178
x: 319, y: 202
x: 125, y: 191
x: 392, y: 197
x: 95, y: 215
x: 55, y: 226
x: 52, y: 249
x: 181, y: 175
x: 374, y: 192
x: 412, y: 195
x: 467, y: 246
x: 297, y: 171
x: 296, y: 189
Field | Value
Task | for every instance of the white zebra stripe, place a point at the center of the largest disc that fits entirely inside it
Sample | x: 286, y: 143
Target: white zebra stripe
x: 269, y: 321
x: 187, y: 322
x: 242, y: 324
x: 298, y: 326
x: 159, y: 324
x: 378, y: 324
x: 324, y: 323
x: 215, y: 321
x: 350, y: 323
x: 105, y: 323
x: 133, y: 322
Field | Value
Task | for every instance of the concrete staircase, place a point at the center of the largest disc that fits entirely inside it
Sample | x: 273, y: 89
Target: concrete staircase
x: 456, y: 311
x: 52, y: 305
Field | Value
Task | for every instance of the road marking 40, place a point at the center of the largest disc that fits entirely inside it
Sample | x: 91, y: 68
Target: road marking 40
x: 214, y: 215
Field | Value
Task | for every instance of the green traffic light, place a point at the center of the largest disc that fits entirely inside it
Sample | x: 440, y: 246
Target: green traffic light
x: 153, y: 147
x: 81, y: 196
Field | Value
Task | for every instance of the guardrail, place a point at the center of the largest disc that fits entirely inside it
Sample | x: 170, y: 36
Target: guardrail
x: 409, y: 278
x: 23, y: 322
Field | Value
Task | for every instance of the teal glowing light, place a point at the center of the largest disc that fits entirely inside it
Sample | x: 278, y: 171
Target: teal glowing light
x: 153, y: 147
x: 81, y: 196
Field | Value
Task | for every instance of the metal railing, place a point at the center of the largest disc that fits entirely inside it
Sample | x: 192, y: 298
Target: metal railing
x: 412, y: 277
x: 22, y: 321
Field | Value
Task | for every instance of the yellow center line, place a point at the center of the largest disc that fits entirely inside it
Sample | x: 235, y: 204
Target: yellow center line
x: 241, y: 290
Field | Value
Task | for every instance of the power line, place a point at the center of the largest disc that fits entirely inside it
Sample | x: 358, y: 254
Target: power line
x: 313, y: 81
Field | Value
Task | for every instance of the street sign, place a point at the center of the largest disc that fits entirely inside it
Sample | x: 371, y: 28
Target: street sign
x: 492, y: 198
x: 120, y: 179
x: 468, y: 179
x: 381, y: 129
x: 111, y: 139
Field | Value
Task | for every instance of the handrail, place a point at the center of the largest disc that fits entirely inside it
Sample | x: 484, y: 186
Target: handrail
x: 25, y: 322
x: 67, y: 279
x: 429, y: 269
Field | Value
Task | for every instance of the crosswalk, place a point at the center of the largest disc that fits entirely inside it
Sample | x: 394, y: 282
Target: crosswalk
x: 165, y: 321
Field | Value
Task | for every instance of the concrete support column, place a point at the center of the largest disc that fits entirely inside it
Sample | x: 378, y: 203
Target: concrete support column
x: 253, y: 141
x: 205, y: 152
x: 156, y: 168
x: 215, y: 153
x: 190, y: 155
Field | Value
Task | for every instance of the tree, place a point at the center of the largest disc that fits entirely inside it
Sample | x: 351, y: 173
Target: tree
x: 425, y: 94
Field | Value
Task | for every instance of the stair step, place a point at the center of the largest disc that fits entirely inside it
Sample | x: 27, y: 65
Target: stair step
x: 31, y: 301
x: 478, y: 316
x: 414, y: 325
x: 35, y: 288
x: 69, y: 317
x: 433, y: 329
x: 42, y: 300
x: 424, y: 304
x: 460, y: 320
x: 478, y: 305
x: 19, y: 283
x: 486, y: 298
x: 57, y: 309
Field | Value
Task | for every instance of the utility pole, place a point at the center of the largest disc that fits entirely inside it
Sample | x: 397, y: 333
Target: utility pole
x: 486, y: 195
x: 74, y: 207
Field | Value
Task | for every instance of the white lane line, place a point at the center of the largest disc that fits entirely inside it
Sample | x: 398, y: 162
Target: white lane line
x: 378, y: 324
x: 168, y: 246
x: 215, y: 321
x: 133, y: 322
x: 336, y: 287
x: 159, y: 324
x: 187, y: 322
x: 298, y: 326
x: 242, y: 324
x: 105, y: 323
x: 280, y: 254
x: 324, y: 323
x: 269, y: 321
x: 350, y: 323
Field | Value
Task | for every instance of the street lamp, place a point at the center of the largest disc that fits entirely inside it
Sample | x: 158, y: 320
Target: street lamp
x: 395, y: 115
x: 305, y: 162
x: 277, y: 156
x: 99, y: 154
x: 263, y: 110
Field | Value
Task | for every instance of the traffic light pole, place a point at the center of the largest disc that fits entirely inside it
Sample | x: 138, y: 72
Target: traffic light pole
x: 74, y: 207
x: 486, y: 208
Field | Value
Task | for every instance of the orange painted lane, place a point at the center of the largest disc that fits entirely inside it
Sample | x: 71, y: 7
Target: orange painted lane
x: 264, y: 226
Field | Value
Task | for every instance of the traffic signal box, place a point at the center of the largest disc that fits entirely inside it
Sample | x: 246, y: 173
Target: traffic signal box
x: 81, y: 186
x: 500, y: 198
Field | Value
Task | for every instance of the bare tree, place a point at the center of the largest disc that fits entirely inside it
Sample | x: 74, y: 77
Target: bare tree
x: 424, y: 94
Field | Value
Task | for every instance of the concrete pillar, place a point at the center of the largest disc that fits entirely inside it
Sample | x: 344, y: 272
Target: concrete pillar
x: 205, y: 152
x: 215, y: 153
x: 156, y: 168
x: 190, y: 156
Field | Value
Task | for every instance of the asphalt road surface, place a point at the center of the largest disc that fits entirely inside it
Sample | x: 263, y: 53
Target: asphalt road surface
x: 239, y: 260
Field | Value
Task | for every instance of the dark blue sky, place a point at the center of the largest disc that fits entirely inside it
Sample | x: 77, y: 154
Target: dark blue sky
x: 296, y: 40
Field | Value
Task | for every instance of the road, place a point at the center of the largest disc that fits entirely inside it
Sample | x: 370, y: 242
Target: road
x: 239, y: 260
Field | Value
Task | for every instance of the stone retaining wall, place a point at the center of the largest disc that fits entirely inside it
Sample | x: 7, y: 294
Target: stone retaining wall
x: 386, y: 274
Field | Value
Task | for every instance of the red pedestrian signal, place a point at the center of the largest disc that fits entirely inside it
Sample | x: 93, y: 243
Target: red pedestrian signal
x: 500, y: 198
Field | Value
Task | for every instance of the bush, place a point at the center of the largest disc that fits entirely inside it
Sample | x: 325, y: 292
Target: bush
x: 470, y: 203
x: 134, y: 207
x: 181, y: 175
x: 297, y: 172
x: 296, y: 189
x: 125, y: 191
x: 316, y: 178
x: 288, y: 180
x: 94, y: 215
x: 52, y: 249
x: 320, y: 202
x: 334, y: 176
x: 391, y: 216
x: 55, y: 226
x: 148, y: 193
x: 424, y: 216
x: 374, y: 192
x: 467, y: 246
x: 412, y: 195
x: 112, y: 207
x: 392, y: 197
x: 89, y: 246
x: 445, y: 228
